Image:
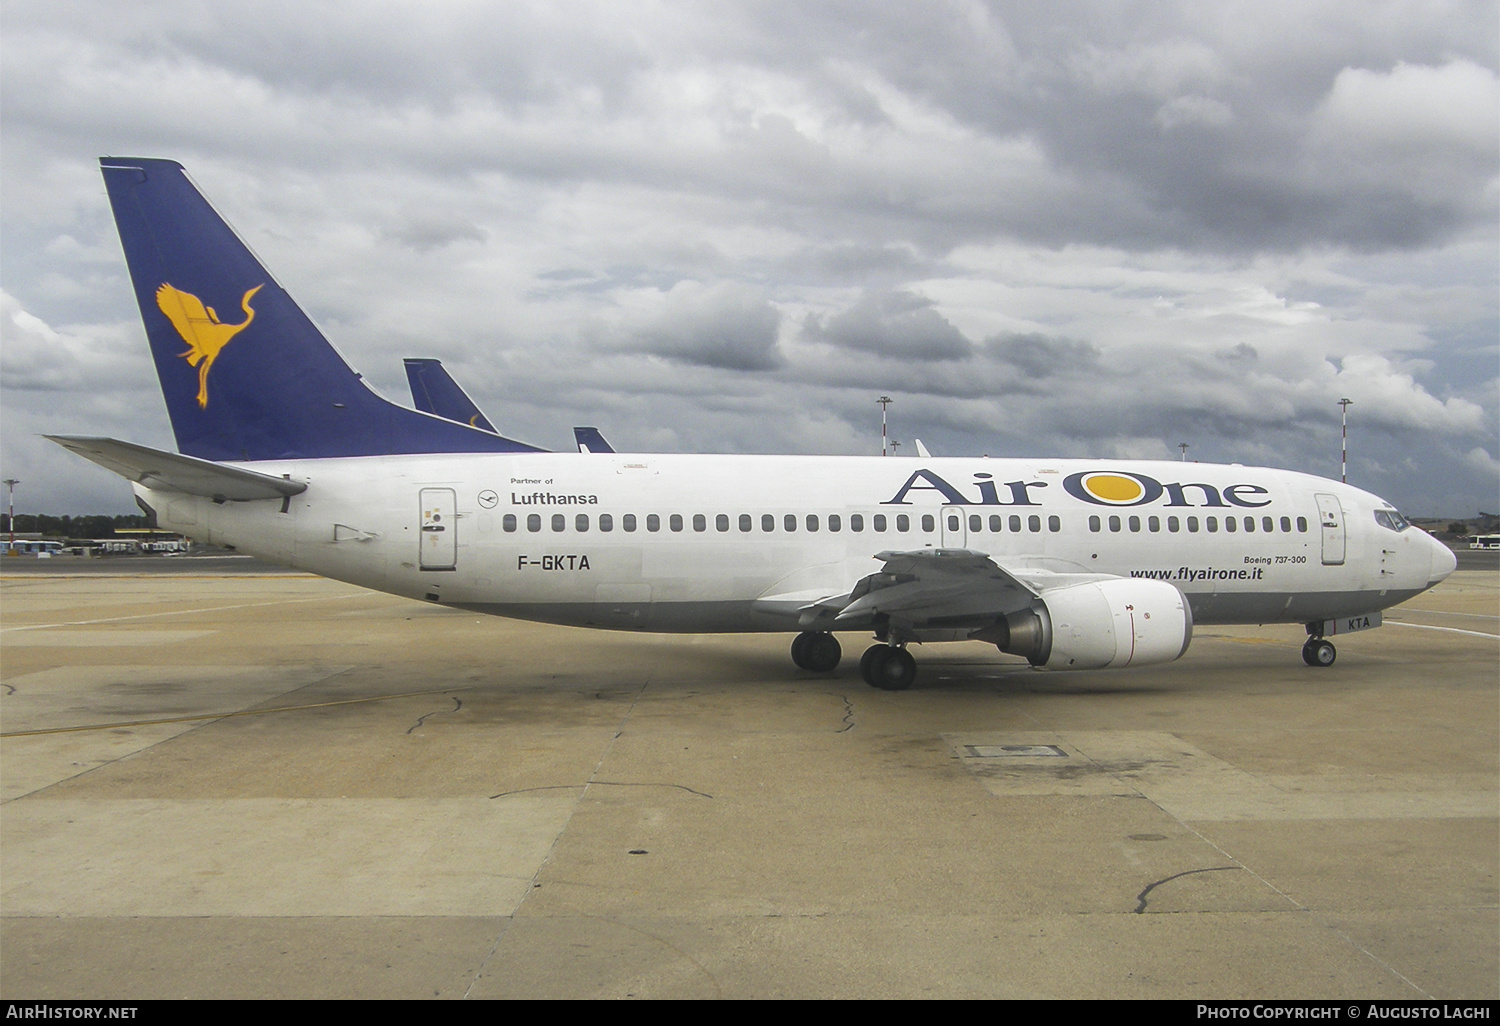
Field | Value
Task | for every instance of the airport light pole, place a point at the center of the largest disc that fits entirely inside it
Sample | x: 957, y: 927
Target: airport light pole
x: 1344, y: 449
x: 1184, y: 447
x: 894, y: 446
x: 884, y: 401
x: 10, y: 483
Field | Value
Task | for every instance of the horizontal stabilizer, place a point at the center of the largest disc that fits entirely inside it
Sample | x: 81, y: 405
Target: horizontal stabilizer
x: 156, y: 469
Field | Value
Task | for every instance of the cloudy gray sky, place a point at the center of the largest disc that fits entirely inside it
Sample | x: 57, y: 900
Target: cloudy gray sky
x: 1078, y: 229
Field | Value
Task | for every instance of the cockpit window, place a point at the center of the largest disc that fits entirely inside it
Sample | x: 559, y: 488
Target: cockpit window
x: 1391, y: 519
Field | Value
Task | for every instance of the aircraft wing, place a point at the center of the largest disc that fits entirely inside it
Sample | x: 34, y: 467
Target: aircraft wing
x: 950, y: 589
x: 936, y: 588
x: 188, y: 474
x: 928, y: 589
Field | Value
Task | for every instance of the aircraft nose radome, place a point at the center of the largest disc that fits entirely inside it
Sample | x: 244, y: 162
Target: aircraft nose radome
x: 1444, y: 562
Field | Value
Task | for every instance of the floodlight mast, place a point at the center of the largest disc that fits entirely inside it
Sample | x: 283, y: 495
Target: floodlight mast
x: 1344, y: 448
x: 884, y: 401
x: 10, y: 484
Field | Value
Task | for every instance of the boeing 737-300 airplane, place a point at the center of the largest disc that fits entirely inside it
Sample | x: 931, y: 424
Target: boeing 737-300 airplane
x: 286, y: 454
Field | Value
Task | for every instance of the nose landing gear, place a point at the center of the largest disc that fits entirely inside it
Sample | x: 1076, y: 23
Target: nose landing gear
x: 1319, y: 652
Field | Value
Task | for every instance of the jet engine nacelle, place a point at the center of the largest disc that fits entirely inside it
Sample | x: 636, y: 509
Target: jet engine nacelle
x: 1101, y: 624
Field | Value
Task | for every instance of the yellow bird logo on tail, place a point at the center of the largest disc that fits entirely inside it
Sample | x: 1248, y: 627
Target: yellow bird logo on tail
x: 201, y: 329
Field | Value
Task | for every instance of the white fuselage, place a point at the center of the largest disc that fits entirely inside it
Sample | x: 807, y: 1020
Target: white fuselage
x: 708, y: 543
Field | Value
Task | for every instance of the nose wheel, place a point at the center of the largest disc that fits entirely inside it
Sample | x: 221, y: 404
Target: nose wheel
x: 887, y: 668
x: 1319, y: 652
x: 816, y: 651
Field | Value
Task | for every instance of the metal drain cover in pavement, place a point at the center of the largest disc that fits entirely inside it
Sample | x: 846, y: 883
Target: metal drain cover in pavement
x: 1015, y: 751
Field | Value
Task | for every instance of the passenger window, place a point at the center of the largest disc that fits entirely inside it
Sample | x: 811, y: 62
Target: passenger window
x: 1094, y: 524
x: 767, y: 523
x: 790, y: 521
x: 1173, y: 524
x: 1054, y: 524
x: 812, y: 521
x: 953, y: 522
x: 903, y: 522
x: 1213, y: 525
x: 1267, y: 524
x: 653, y: 522
x: 508, y: 522
x: 856, y: 522
x: 533, y: 522
x: 1153, y: 524
x: 628, y: 521
x: 1135, y: 525
x: 1249, y: 525
x: 995, y: 522
x: 928, y: 523
x: 1114, y: 523
x: 721, y: 522
x: 746, y: 523
x: 675, y: 521
x: 559, y: 522
x: 700, y: 522
x: 1230, y: 525
x: 1192, y: 525
x: 1286, y: 525
x: 976, y: 522
x: 581, y: 522
x: 834, y: 523
x: 1301, y: 525
x: 606, y: 522
x: 1033, y: 523
x: 879, y: 520
x: 1015, y: 524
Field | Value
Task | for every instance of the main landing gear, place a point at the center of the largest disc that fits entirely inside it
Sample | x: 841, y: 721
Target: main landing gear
x: 816, y: 651
x: 1319, y: 652
x: 888, y: 667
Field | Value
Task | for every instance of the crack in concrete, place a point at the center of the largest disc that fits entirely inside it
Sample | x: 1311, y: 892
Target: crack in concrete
x: 457, y: 705
x: 1140, y: 908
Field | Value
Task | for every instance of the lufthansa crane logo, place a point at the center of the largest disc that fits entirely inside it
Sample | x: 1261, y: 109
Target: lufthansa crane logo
x: 201, y: 329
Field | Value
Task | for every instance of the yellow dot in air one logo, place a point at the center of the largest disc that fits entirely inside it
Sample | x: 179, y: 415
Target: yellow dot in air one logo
x: 1113, y: 487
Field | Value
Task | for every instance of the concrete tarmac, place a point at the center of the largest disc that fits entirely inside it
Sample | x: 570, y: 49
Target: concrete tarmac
x: 229, y: 784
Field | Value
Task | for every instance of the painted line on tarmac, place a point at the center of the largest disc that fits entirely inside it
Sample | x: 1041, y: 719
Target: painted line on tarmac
x: 227, y: 715
x: 170, y: 612
x: 1430, y: 627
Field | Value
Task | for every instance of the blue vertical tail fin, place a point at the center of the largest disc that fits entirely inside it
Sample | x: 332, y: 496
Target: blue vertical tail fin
x: 434, y: 391
x: 246, y: 375
x: 590, y: 440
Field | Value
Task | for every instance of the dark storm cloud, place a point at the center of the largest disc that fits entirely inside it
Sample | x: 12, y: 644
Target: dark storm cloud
x: 1040, y: 357
x: 895, y: 323
x: 725, y: 326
